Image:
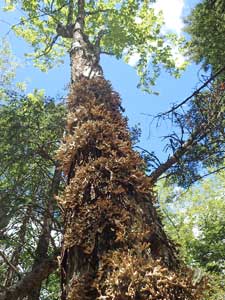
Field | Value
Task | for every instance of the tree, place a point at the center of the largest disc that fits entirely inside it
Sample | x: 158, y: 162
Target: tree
x: 195, y: 220
x: 30, y: 130
x: 206, y: 27
x: 197, y: 143
x: 118, y: 28
x: 114, y: 245
x: 8, y: 66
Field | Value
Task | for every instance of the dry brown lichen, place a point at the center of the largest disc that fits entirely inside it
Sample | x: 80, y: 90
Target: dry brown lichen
x: 108, y: 207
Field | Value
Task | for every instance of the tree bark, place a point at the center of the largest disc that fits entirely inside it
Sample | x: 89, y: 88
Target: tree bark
x: 29, y: 281
x: 84, y: 56
x: 109, y: 202
x: 111, y: 227
x: 45, y: 236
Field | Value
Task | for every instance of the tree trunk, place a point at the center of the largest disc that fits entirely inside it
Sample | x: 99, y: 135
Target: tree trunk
x: 84, y: 57
x: 114, y: 246
x: 42, y: 249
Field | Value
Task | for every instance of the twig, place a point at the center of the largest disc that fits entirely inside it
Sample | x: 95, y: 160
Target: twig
x: 49, y: 47
x: 150, y: 154
x: 106, y: 53
x: 9, y: 264
x: 95, y: 12
x: 193, y: 94
x: 70, y: 13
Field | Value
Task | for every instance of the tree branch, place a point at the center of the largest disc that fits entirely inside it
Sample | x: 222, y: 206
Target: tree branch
x: 202, y: 131
x: 70, y: 12
x: 107, y: 53
x: 79, y: 24
x: 99, y: 11
x: 10, y: 264
x: 65, y: 31
x: 30, y: 280
x: 193, y: 94
x: 99, y: 37
x: 49, y: 47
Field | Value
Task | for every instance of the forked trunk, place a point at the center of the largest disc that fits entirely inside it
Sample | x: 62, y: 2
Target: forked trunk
x: 84, y: 57
x: 114, y: 246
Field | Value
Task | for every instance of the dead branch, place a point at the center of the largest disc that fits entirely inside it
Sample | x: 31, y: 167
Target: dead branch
x: 196, y: 92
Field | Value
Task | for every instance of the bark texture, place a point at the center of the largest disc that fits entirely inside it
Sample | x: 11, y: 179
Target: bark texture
x: 30, y: 281
x: 84, y: 57
x: 114, y: 245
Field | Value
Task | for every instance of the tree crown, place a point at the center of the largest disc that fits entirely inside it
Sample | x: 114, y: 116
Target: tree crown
x: 126, y: 29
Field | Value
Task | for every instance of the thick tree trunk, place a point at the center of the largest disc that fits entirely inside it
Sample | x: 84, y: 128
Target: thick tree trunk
x: 114, y: 246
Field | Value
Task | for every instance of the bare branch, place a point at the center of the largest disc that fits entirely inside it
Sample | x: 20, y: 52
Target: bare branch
x: 175, y: 107
x: 150, y: 154
x: 10, y: 264
x: 107, y: 53
x: 193, y: 140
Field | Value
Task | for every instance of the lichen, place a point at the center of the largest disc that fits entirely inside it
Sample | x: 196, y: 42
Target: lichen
x: 109, y: 208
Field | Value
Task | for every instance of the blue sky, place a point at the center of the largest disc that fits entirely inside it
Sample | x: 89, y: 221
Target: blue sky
x: 123, y: 77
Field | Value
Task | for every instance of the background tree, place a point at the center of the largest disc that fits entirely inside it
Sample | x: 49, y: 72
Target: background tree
x: 30, y: 130
x: 8, y: 66
x: 197, y: 141
x: 194, y: 219
x: 206, y: 28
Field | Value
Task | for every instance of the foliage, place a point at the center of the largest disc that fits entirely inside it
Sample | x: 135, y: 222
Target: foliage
x: 8, y: 65
x: 30, y: 129
x: 124, y: 28
x: 204, y: 122
x: 195, y: 220
x: 206, y: 26
x: 196, y: 146
x: 197, y: 141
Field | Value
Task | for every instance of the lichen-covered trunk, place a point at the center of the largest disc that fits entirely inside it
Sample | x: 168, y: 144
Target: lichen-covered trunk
x: 114, y: 246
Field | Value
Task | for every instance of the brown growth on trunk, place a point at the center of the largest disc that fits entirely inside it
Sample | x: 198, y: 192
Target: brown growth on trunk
x: 114, y: 245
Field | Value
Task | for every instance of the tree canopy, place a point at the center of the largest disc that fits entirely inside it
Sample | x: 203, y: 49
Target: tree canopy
x: 195, y: 220
x: 120, y: 28
x: 206, y: 26
x: 30, y: 130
